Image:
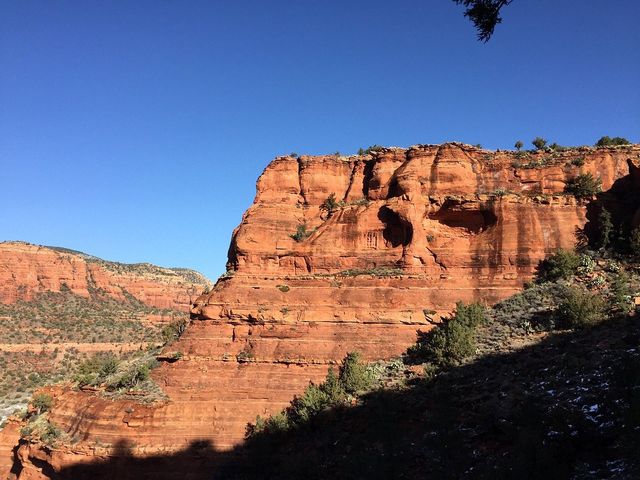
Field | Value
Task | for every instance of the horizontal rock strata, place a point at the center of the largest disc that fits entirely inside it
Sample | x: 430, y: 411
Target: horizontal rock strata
x: 26, y: 270
x: 414, y: 231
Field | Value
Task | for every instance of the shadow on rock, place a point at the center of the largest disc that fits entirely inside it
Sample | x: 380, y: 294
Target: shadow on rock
x: 567, y: 407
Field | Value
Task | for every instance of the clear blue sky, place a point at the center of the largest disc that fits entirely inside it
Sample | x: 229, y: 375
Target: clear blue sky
x: 135, y: 130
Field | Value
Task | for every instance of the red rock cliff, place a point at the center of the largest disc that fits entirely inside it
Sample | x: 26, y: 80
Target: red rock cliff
x: 460, y: 223
x: 26, y: 270
x: 416, y: 230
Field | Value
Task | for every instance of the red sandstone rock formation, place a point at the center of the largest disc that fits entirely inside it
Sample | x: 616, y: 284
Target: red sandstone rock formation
x: 26, y: 270
x: 459, y: 222
x: 417, y: 230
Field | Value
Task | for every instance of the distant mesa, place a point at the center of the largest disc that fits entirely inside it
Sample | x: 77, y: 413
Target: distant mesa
x: 27, y: 269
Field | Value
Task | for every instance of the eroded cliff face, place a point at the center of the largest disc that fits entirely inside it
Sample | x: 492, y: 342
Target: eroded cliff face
x: 26, y: 270
x: 459, y: 223
x: 417, y: 230
x: 140, y: 295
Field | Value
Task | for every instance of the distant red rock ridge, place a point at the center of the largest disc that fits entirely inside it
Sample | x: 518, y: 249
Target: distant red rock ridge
x: 27, y: 269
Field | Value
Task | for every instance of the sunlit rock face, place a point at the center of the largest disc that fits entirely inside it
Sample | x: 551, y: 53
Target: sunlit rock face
x: 27, y: 270
x: 414, y: 231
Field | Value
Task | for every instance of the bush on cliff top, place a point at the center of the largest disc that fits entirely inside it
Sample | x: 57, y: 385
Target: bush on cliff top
x: 539, y: 143
x: 607, y: 141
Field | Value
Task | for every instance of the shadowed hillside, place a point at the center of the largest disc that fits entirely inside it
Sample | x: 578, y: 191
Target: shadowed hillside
x: 567, y: 407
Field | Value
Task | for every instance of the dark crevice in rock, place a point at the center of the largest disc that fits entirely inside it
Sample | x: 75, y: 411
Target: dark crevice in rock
x: 453, y: 214
x: 354, y: 169
x: 300, y: 168
x: 368, y: 175
x: 396, y: 231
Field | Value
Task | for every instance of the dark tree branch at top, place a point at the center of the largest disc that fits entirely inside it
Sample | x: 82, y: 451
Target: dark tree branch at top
x: 485, y: 15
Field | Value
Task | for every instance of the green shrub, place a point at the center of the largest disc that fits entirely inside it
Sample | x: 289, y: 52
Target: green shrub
x: 621, y: 292
x: 539, y: 143
x: 558, y: 148
x: 354, y: 375
x: 176, y: 356
x: 374, y: 271
x: 109, y: 366
x: 580, y: 309
x: 245, y: 356
x: 634, y: 241
x: 519, y: 145
x: 50, y: 433
x: 583, y: 186
x: 131, y: 377
x: 42, y: 402
x: 96, y: 369
x: 301, y: 233
x: 605, y: 225
x: 371, y: 149
x: 562, y: 264
x: 330, y: 205
x: 578, y: 162
x: 454, y: 340
x: 452, y: 343
x: 173, y: 331
x: 272, y: 424
x: 607, y: 141
x: 333, y: 387
x: 283, y: 288
x: 312, y: 401
x: 473, y: 314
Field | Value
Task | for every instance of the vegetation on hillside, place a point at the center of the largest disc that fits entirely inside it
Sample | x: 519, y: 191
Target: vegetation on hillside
x: 56, y: 335
x: 566, y: 406
x: 342, y: 389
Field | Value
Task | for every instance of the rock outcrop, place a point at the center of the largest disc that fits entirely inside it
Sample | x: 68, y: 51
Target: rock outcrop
x: 26, y: 270
x: 411, y: 232
x: 29, y: 272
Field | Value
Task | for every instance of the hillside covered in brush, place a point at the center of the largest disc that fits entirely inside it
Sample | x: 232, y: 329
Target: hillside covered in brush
x: 61, y: 309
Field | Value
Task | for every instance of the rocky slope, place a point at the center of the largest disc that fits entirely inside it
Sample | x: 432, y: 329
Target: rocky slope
x: 57, y: 307
x: 26, y: 270
x: 414, y: 231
